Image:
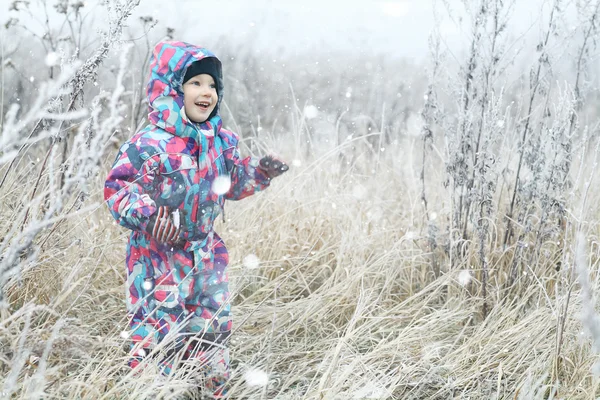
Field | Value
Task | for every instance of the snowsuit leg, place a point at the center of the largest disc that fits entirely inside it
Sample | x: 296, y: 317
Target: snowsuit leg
x: 158, y: 281
x: 211, y: 320
x: 188, y: 296
x: 211, y: 365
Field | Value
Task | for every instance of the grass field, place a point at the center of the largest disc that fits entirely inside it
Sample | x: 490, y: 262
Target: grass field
x: 436, y: 237
x: 343, y: 302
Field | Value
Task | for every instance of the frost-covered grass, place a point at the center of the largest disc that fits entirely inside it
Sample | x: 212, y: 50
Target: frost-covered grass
x: 342, y: 304
x: 434, y: 238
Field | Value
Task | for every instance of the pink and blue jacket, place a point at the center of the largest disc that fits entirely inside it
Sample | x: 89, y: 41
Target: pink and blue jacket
x: 173, y: 162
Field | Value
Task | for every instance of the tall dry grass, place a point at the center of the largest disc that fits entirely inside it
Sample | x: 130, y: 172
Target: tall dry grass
x: 445, y: 250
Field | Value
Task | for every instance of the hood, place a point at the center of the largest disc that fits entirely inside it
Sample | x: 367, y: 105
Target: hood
x: 168, y: 64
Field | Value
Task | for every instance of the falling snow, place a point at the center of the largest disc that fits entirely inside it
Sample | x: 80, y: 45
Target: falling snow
x: 221, y: 184
x: 52, y: 59
x: 256, y: 377
x: 251, y: 261
x: 311, y: 112
x: 333, y: 109
x: 147, y: 285
x: 464, y: 277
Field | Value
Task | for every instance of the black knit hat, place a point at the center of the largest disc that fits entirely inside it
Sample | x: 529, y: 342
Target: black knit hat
x: 208, y: 65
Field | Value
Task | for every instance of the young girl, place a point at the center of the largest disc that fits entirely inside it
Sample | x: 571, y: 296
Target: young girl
x: 168, y: 184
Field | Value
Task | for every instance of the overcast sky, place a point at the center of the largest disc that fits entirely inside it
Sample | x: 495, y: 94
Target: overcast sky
x: 399, y: 28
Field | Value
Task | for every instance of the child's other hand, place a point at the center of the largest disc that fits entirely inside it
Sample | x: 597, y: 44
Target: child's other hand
x: 272, y: 166
x: 164, y: 226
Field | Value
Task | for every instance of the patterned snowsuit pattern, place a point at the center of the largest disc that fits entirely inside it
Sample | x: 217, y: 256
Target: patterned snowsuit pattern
x: 183, y: 286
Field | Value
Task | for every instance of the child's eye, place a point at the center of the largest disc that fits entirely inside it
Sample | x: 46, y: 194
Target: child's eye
x: 213, y: 86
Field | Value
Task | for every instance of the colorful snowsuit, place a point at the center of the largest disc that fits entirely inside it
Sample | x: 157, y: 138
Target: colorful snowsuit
x: 174, y: 162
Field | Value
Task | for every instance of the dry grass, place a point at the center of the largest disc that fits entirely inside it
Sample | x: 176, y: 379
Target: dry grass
x: 344, y: 303
x: 388, y: 267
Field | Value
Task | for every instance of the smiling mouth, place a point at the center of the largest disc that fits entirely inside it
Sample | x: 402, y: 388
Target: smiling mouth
x: 203, y: 105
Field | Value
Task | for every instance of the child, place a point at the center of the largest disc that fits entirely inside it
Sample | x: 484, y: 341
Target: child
x: 168, y: 184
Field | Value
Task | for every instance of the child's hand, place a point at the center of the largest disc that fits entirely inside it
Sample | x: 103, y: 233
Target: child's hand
x: 164, y: 226
x: 272, y: 166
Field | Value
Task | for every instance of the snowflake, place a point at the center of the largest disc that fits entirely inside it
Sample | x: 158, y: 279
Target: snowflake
x: 311, y: 112
x: 251, y: 261
x: 464, y: 277
x: 256, y: 377
x: 52, y: 59
x: 147, y: 285
x: 221, y: 184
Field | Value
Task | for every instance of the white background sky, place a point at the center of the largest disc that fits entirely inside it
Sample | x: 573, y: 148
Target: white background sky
x: 397, y: 27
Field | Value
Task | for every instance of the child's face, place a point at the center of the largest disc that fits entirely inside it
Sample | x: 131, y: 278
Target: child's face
x: 199, y: 97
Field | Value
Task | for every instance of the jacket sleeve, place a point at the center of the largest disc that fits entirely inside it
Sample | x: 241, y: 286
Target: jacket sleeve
x: 246, y: 179
x: 125, y: 189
